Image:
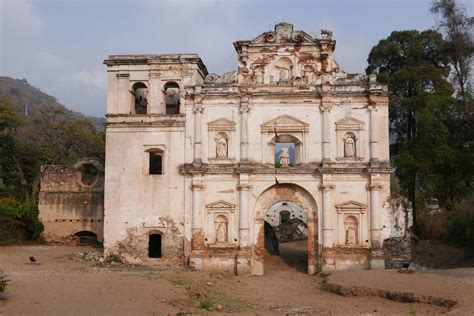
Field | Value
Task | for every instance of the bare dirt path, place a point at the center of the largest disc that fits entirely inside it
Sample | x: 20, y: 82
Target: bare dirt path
x: 62, y: 284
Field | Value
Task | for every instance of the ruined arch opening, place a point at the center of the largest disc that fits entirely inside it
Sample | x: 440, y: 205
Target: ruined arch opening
x: 286, y: 231
x: 87, y: 238
x: 295, y: 240
x: 155, y: 245
x: 89, y: 174
x: 139, y: 96
x: 172, y: 97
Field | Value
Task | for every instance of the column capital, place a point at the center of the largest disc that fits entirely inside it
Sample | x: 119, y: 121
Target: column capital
x: 244, y: 187
x: 123, y: 75
x: 375, y: 187
x: 327, y: 187
x: 197, y: 186
x: 244, y: 104
x: 197, y: 104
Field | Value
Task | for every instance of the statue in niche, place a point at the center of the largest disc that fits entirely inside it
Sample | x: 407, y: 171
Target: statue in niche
x: 283, y: 75
x: 221, y: 232
x: 351, y: 231
x: 259, y: 76
x: 221, y: 148
x: 284, y: 157
x: 350, y: 236
x: 349, y: 147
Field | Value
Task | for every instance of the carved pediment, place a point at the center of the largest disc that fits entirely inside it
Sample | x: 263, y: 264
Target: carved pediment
x: 285, y: 123
x: 221, y: 124
x: 349, y: 123
x: 351, y: 206
x: 219, y: 205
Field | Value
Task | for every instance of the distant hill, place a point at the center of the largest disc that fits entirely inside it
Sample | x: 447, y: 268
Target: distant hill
x: 31, y: 99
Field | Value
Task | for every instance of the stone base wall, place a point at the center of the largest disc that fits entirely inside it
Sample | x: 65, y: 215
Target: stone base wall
x: 397, y: 250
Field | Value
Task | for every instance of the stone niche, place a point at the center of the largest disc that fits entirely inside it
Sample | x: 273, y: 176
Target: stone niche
x: 221, y: 136
x: 351, y: 221
x: 350, y: 140
x: 221, y: 223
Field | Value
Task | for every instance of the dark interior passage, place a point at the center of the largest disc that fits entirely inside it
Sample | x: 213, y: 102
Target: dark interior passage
x: 154, y: 246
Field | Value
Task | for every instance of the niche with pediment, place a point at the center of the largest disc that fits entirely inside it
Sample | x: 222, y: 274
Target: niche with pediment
x: 352, y: 224
x: 284, y: 132
x: 221, y: 135
x: 350, y: 140
x: 221, y: 224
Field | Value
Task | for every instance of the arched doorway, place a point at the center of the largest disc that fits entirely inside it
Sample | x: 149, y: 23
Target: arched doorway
x: 87, y: 238
x: 279, y: 194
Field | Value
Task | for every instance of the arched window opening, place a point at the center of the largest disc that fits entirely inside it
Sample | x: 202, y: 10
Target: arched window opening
x: 172, y: 97
x: 154, y: 245
x: 286, y: 150
x: 140, y: 95
x: 89, y: 174
x: 155, y: 165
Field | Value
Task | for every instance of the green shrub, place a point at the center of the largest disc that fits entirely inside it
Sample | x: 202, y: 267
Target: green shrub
x: 24, y: 213
x: 3, y: 282
x: 461, y: 223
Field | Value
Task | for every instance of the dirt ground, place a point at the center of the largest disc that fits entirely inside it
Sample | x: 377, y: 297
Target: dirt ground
x: 61, y: 283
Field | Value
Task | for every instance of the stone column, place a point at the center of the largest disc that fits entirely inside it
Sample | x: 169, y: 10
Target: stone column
x: 325, y: 109
x: 154, y: 91
x: 197, y: 110
x: 327, y: 215
x: 377, y: 261
x: 197, y: 241
x: 374, y: 148
x: 124, y: 96
x: 244, y: 139
x: 244, y: 223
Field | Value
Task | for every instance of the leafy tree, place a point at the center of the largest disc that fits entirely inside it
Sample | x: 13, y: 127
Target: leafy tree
x: 457, y: 27
x: 427, y: 153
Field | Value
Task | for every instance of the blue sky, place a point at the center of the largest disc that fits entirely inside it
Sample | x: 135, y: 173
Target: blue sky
x: 59, y: 45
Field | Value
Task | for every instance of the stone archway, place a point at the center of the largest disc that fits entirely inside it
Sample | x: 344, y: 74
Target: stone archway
x: 298, y: 195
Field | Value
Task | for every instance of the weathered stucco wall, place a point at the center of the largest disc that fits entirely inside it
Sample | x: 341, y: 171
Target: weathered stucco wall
x: 218, y: 152
x: 70, y: 203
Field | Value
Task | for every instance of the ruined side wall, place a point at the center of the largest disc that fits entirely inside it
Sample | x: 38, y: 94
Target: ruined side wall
x: 138, y: 203
x: 67, y: 205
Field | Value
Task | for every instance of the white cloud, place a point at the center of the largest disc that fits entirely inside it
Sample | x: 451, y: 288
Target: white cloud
x: 95, y: 78
x: 20, y: 17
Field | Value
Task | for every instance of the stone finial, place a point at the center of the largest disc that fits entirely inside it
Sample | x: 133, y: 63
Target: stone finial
x: 326, y: 34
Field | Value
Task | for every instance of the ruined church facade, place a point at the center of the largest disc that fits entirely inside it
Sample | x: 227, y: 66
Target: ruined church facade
x: 194, y: 161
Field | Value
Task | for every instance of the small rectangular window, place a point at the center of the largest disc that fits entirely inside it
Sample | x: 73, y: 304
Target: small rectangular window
x: 156, y: 164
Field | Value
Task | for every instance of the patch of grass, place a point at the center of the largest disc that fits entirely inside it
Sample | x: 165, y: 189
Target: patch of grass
x: 3, y: 282
x: 205, y: 302
x: 180, y: 280
x: 412, y: 312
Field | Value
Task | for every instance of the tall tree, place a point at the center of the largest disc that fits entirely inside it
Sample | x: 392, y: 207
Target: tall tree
x: 457, y: 27
x: 422, y: 110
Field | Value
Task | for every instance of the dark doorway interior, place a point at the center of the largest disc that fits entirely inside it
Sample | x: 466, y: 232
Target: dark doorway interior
x: 154, y: 246
x: 87, y: 238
